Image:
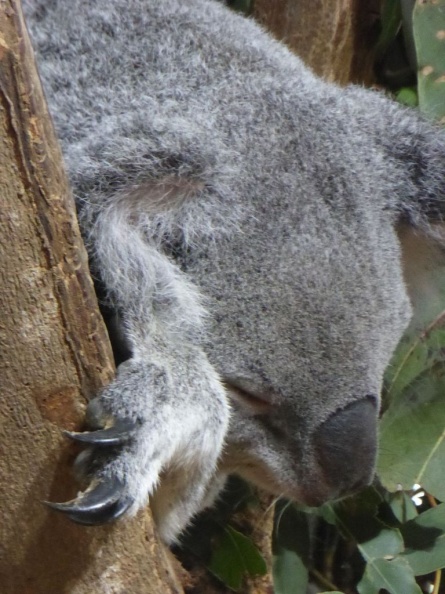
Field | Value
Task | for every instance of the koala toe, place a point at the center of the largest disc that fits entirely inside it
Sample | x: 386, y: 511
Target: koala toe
x: 120, y: 432
x: 103, y: 501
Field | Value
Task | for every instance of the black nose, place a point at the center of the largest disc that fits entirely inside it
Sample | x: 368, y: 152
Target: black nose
x: 346, y: 446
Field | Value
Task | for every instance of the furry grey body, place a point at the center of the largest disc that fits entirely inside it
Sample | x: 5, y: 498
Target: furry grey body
x: 215, y: 173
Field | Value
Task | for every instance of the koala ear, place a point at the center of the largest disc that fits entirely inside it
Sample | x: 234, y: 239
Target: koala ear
x: 419, y: 153
x: 420, y: 150
x: 414, y: 159
x: 423, y: 259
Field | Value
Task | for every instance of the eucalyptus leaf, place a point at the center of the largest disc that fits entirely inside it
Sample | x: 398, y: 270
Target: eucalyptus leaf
x: 356, y: 520
x: 408, y: 96
x: 290, y: 574
x: 395, y: 576
x: 244, y: 6
x: 412, y: 439
x: 425, y: 541
x: 387, y: 543
x: 291, y: 545
x: 428, y: 27
x: 409, y: 361
x: 234, y: 557
x: 420, y: 350
x: 377, y: 543
x: 391, y: 21
x: 402, y: 506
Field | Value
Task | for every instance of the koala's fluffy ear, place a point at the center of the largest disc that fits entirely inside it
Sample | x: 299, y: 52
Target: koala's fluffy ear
x: 423, y: 258
x: 418, y: 148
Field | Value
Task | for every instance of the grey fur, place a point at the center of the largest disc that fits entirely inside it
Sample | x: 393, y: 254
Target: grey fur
x: 241, y: 214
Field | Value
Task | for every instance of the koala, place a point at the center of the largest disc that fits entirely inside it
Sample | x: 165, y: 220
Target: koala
x: 242, y: 220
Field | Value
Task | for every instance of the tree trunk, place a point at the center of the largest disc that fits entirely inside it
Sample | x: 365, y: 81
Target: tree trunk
x: 54, y: 354
x: 334, y: 37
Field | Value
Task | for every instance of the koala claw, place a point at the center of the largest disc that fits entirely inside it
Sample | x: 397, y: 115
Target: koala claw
x: 104, y: 501
x: 121, y: 432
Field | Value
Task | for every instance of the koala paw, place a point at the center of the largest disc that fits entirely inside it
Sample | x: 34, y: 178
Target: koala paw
x: 105, y: 499
x: 151, y: 436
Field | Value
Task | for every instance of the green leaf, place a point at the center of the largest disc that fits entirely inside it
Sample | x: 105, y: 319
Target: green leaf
x: 421, y: 348
x: 412, y: 438
x: 391, y: 22
x: 395, y: 576
x: 402, y: 506
x: 290, y: 575
x: 425, y: 541
x: 388, y: 542
x: 429, y: 28
x: 408, y: 96
x: 409, y: 361
x: 356, y: 519
x: 379, y: 544
x: 235, y: 556
x: 291, y: 546
x: 244, y: 6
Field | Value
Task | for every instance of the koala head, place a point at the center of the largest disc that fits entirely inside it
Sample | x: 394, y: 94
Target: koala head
x: 309, y: 302
x: 305, y: 328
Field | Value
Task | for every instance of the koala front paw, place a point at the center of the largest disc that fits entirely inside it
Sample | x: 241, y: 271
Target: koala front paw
x: 152, y: 436
x: 106, y: 499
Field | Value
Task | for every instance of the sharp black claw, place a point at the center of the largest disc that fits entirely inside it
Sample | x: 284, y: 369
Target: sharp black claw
x: 121, y: 432
x: 101, y: 503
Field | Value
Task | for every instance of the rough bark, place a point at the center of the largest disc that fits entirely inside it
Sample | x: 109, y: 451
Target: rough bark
x: 335, y: 37
x: 54, y: 354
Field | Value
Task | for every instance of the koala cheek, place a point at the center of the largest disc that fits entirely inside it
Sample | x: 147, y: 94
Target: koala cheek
x: 346, y: 446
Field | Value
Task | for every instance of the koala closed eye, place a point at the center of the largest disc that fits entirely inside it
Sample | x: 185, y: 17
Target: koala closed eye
x: 241, y: 217
x: 253, y: 398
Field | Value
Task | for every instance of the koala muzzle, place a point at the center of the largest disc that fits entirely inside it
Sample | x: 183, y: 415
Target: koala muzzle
x: 346, y: 446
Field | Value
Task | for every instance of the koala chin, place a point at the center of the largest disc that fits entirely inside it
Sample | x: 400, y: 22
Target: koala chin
x: 243, y: 221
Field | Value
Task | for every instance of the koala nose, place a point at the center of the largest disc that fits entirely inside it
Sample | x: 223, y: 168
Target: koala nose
x: 346, y: 445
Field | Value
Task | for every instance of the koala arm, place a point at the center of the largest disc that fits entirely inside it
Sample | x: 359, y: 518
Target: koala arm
x: 166, y: 411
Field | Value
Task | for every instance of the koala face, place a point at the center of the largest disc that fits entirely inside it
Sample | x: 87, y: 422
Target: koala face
x: 304, y: 326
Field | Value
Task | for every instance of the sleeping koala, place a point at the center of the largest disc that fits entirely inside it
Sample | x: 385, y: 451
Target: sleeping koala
x: 240, y: 216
